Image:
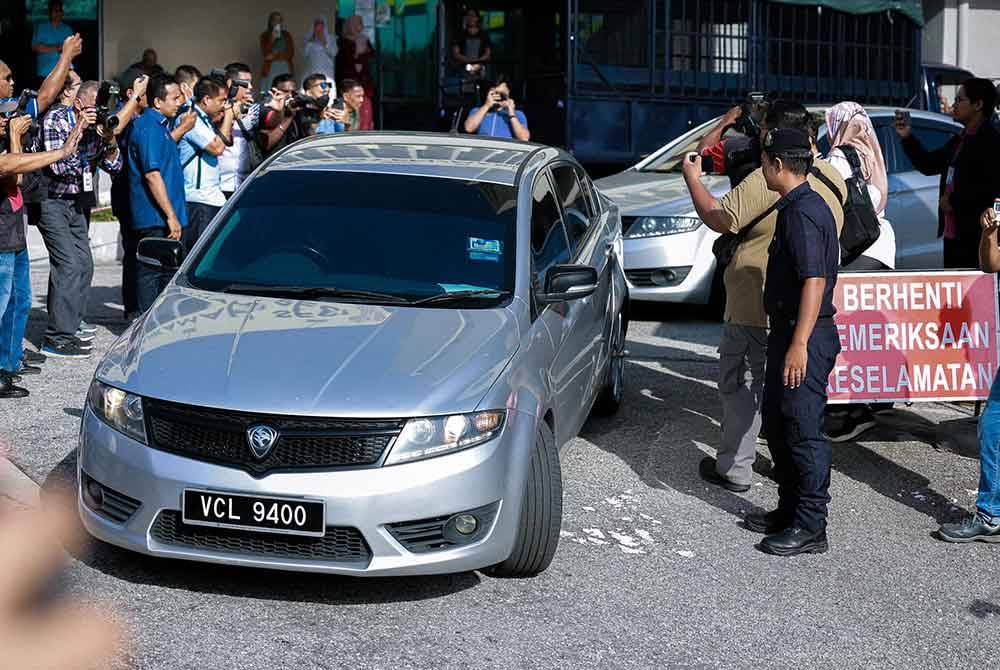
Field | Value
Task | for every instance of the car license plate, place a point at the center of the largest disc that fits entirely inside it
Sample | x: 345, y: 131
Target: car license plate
x: 266, y: 514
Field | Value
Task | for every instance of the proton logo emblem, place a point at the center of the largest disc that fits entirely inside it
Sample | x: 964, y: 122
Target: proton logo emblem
x: 261, y: 439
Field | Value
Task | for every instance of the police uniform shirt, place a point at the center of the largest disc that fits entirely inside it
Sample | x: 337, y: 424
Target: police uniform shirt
x: 804, y: 245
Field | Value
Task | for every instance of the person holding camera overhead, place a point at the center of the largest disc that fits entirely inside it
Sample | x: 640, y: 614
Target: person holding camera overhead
x: 278, y: 50
x: 200, y: 150
x: 967, y: 165
x: 747, y: 216
x: 498, y: 116
x: 63, y: 223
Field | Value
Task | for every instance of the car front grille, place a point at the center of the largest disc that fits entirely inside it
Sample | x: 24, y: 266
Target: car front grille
x: 220, y: 436
x: 339, y: 545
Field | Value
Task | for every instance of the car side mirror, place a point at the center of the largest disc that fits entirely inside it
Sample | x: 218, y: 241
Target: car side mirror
x: 160, y: 253
x: 568, y: 282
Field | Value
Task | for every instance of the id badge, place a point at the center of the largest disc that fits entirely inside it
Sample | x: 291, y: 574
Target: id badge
x: 950, y: 178
x: 88, y: 181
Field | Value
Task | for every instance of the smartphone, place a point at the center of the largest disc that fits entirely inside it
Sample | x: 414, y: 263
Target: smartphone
x: 903, y: 117
x: 996, y: 208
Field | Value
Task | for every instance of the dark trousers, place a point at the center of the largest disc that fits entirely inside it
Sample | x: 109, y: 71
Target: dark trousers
x: 150, y: 282
x: 130, y: 240
x: 793, y: 422
x: 199, y: 216
x: 961, y: 254
x: 71, y: 267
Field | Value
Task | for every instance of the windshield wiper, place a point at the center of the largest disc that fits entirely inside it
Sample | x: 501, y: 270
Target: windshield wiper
x: 314, y: 292
x: 455, y: 296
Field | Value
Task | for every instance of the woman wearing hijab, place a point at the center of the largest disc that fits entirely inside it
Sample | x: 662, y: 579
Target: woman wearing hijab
x: 353, y: 62
x: 319, y: 51
x: 278, y: 48
x: 848, y: 124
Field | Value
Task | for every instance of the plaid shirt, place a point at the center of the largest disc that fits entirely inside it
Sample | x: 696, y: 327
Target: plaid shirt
x: 66, y: 176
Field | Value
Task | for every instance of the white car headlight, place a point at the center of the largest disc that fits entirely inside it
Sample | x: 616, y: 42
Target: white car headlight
x: 657, y: 226
x: 426, y: 438
x: 120, y: 410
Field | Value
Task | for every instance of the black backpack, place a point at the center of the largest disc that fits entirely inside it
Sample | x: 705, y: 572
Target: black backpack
x: 861, y: 226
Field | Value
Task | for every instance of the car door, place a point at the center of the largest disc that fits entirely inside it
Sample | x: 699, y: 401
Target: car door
x: 913, y: 198
x: 587, y: 246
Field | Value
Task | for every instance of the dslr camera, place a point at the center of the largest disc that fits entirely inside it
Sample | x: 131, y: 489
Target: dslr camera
x: 742, y: 150
x: 107, y: 103
x: 9, y: 110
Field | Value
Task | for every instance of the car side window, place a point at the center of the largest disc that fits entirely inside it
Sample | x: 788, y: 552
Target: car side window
x: 548, y: 239
x: 591, y: 191
x: 576, y: 207
x: 931, y: 137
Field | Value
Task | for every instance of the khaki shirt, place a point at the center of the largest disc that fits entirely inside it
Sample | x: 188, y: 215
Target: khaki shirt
x: 744, y: 278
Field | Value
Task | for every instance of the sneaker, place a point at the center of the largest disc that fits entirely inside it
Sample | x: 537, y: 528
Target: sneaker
x: 88, y: 328
x: 32, y: 357
x: 68, y: 350
x: 84, y: 336
x: 848, y: 426
x: 26, y: 369
x: 977, y: 527
x: 8, y: 389
x: 83, y: 344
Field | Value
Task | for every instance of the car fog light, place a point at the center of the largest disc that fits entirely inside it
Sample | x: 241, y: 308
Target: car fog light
x: 96, y: 493
x: 466, y: 524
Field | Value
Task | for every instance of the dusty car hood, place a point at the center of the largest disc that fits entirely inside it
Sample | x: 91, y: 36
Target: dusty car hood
x: 308, y: 357
x: 655, y: 193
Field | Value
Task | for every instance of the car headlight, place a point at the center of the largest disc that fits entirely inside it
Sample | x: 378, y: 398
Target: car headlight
x: 120, y: 410
x: 657, y: 226
x: 426, y: 438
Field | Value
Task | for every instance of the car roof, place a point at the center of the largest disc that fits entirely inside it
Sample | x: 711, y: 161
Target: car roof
x: 466, y: 157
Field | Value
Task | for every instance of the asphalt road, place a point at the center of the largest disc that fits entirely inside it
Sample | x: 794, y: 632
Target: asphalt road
x: 654, y: 569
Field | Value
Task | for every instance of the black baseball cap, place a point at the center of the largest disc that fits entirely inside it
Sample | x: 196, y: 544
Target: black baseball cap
x: 788, y: 142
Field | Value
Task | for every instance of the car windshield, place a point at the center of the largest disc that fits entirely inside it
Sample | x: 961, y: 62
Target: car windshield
x: 671, y: 160
x: 364, y: 237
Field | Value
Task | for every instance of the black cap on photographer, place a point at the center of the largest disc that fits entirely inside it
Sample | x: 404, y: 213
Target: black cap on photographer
x: 790, y: 142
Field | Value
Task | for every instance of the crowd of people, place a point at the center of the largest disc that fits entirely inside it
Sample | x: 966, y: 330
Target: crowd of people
x: 784, y: 223
x: 176, y: 146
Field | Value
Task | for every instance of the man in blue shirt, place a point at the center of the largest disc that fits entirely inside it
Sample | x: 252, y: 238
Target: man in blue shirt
x: 48, y: 39
x: 802, y: 347
x: 498, y: 117
x: 156, y: 180
x: 200, y: 150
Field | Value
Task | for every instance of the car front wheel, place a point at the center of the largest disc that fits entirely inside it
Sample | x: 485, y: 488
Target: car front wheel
x: 541, y: 512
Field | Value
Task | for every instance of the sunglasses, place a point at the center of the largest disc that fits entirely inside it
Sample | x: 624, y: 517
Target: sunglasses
x: 9, y: 78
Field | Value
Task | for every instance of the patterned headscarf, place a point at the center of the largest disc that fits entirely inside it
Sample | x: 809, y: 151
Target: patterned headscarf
x: 848, y: 123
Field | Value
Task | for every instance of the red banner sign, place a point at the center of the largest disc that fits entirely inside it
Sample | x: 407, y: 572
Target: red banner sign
x: 915, y: 336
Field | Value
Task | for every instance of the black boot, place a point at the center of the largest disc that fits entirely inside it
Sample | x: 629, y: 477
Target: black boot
x: 9, y: 390
x: 768, y: 523
x: 793, y: 541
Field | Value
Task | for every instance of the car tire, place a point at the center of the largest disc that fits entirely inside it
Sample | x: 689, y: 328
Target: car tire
x: 541, y: 512
x: 609, y: 399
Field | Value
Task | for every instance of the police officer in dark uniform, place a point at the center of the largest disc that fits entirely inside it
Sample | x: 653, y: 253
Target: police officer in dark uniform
x: 801, y: 349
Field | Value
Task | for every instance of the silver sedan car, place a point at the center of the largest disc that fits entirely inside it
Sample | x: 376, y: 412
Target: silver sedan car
x: 668, y: 251
x: 367, y: 364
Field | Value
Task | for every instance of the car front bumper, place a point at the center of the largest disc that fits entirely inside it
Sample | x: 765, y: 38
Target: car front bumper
x: 363, y: 499
x: 687, y: 254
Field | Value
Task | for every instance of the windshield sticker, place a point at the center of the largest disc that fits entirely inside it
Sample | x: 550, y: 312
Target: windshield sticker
x: 485, y: 250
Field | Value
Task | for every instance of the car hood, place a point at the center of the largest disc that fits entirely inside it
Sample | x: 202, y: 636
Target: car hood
x: 655, y: 193
x: 283, y: 356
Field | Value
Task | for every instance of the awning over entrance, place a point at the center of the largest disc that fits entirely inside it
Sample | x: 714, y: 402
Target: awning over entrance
x: 911, y: 8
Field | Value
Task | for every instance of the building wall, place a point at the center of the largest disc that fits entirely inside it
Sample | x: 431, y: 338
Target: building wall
x: 206, y: 34
x: 944, y: 33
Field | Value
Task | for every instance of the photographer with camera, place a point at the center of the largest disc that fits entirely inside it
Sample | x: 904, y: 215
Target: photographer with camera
x: 967, y: 165
x: 200, y: 150
x: 498, y: 116
x: 313, y: 102
x: 732, y: 147
x: 279, y: 128
x: 15, y: 277
x: 63, y: 224
x: 746, y: 217
x: 246, y: 153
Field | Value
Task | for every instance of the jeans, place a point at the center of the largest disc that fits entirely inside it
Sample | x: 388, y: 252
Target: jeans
x: 988, y: 499
x: 71, y: 267
x: 793, y: 421
x: 15, y: 304
x: 130, y: 239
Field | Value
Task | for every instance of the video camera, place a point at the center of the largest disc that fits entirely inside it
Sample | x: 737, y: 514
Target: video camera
x: 107, y: 103
x: 742, y: 151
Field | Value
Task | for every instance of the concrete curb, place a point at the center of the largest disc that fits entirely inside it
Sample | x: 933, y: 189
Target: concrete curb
x: 16, y: 485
